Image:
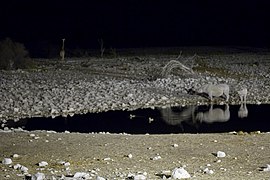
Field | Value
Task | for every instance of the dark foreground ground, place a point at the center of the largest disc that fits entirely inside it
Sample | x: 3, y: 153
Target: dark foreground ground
x: 118, y: 156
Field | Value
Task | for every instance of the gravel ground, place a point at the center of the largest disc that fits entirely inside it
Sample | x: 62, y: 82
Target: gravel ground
x: 93, y: 85
x: 123, y: 156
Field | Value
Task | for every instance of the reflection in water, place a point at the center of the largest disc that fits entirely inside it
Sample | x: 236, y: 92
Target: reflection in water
x: 214, y: 115
x: 193, y: 114
x: 177, y: 115
x: 243, y: 111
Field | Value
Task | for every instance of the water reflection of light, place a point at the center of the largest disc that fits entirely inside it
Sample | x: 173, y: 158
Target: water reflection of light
x: 175, y: 116
x: 243, y: 111
x: 195, y: 114
x: 214, y: 115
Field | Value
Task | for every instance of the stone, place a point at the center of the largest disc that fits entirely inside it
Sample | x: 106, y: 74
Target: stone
x: 6, y: 161
x: 38, y: 176
x: 221, y: 154
x: 180, y: 173
x: 42, y: 164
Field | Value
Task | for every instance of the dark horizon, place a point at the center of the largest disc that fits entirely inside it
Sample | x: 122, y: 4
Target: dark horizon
x: 135, y: 23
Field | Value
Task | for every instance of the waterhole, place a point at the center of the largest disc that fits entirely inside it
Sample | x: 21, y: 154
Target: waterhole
x: 188, y: 119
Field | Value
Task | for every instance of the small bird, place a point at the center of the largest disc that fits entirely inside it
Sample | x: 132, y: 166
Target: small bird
x: 131, y: 116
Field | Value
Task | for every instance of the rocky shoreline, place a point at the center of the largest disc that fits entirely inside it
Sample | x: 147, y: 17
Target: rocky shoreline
x: 96, y: 85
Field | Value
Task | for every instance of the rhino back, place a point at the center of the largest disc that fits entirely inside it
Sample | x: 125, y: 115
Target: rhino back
x: 215, y: 90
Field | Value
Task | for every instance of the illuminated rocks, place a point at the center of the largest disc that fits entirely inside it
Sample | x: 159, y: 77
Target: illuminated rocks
x: 221, y: 154
x: 42, y: 164
x: 180, y: 173
x: 6, y: 161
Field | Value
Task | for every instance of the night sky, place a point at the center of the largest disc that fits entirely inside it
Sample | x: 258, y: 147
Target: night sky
x: 136, y: 23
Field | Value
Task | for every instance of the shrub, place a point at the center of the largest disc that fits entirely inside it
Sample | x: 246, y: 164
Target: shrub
x: 13, y: 55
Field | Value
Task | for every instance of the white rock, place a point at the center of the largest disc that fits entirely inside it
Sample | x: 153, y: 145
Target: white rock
x: 129, y: 156
x: 156, y: 158
x: 54, y: 111
x: 38, y: 176
x: 221, y: 154
x: 175, y: 145
x: 180, y: 173
x: 267, y: 169
x: 208, y: 171
x: 16, y: 110
x: 52, y: 132
x: 107, y: 159
x: 6, y: 161
x: 100, y: 178
x: 24, y: 169
x: 7, y: 129
x: 81, y: 175
x: 144, y: 173
x: 166, y: 172
x: 21, y: 168
x: 19, y: 129
x: 17, y: 166
x: 140, y: 177
x: 42, y: 164
x: 164, y: 98
x: 15, y: 155
x: 130, y: 175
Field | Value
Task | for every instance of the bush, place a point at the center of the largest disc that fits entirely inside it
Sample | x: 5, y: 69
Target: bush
x: 13, y: 55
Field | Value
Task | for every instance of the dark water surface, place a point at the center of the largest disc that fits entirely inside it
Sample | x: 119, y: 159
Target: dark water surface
x: 189, y: 119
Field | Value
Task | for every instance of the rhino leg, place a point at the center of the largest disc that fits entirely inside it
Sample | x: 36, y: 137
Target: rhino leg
x: 227, y: 97
x: 210, y: 95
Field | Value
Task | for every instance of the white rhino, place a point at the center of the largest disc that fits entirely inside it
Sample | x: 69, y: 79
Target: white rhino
x: 215, y: 90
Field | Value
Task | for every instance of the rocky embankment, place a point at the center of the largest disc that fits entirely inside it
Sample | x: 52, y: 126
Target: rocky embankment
x: 95, y: 85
